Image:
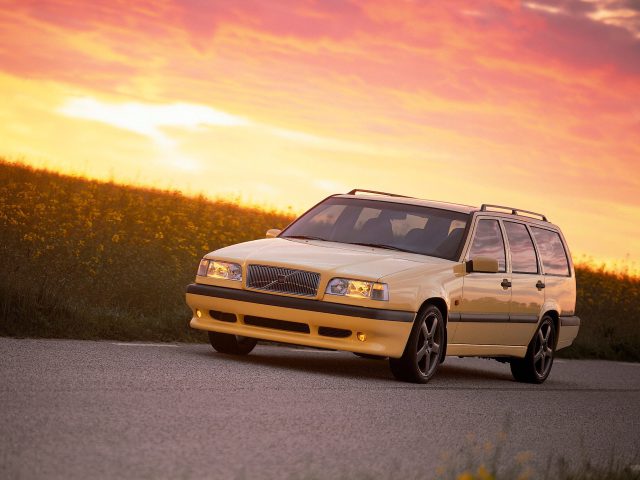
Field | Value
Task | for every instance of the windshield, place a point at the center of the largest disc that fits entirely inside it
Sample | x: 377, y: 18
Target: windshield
x: 395, y: 226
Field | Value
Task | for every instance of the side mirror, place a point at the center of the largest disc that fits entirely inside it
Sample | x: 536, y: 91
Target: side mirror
x: 482, y: 265
x: 273, y: 232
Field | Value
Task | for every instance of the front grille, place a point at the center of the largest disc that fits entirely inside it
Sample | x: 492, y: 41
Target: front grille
x: 283, y: 280
x: 276, y: 324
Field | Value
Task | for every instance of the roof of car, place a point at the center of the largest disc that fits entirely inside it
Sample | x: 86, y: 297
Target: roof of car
x: 456, y: 207
x: 510, y: 212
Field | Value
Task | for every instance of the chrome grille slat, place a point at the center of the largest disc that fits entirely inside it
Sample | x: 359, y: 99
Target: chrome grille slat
x: 296, y: 282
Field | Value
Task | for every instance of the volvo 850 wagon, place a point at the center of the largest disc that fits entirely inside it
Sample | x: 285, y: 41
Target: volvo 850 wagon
x: 388, y: 276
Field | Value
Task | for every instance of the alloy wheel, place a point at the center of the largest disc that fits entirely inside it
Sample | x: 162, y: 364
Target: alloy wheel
x: 543, y: 348
x: 428, y: 345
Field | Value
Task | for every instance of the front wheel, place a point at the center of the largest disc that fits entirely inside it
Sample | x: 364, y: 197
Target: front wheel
x: 421, y: 356
x: 231, y: 344
x: 536, y: 365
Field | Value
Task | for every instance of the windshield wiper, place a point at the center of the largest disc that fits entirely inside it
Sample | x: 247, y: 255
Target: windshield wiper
x: 304, y: 237
x: 381, y: 245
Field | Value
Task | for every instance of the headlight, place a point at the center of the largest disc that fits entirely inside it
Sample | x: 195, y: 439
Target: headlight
x: 358, y: 289
x: 217, y: 269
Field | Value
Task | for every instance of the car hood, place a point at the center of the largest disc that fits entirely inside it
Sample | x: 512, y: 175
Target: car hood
x: 318, y: 256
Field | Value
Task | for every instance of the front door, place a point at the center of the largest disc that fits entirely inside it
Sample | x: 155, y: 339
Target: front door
x: 484, y: 310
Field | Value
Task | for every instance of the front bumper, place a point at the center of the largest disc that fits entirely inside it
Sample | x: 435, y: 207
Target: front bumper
x: 224, y: 310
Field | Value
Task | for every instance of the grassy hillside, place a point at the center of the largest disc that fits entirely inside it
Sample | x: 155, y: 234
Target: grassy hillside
x: 609, y: 307
x: 83, y: 259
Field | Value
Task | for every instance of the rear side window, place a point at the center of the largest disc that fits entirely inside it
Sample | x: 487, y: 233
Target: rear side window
x: 554, y: 256
x: 488, y: 243
x: 523, y: 254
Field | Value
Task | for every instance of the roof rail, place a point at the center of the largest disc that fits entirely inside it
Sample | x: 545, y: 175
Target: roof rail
x: 514, y: 211
x: 356, y: 190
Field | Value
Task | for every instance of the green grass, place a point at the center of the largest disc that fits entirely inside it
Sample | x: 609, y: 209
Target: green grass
x: 91, y: 260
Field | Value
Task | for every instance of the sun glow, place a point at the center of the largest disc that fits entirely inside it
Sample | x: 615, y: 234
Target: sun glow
x: 149, y: 119
x: 532, y: 104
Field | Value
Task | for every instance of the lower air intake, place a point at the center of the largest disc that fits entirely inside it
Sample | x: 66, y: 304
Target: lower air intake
x: 276, y: 324
x: 223, y: 316
x: 334, y: 332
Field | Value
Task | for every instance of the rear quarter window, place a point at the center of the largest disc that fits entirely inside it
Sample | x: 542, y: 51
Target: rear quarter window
x: 552, y: 252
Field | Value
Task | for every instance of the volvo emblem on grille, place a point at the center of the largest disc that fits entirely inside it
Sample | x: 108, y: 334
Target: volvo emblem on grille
x: 282, y: 278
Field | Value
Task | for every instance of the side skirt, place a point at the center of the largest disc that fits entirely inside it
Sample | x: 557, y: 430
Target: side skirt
x: 466, y: 350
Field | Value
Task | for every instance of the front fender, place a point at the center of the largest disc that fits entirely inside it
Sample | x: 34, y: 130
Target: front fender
x: 411, y: 288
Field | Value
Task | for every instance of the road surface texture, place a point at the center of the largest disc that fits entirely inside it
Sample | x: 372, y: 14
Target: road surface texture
x: 80, y: 409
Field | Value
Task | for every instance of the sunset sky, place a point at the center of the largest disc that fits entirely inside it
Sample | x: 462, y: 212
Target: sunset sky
x: 280, y: 103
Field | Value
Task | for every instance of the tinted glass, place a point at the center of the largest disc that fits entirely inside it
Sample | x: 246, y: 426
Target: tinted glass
x: 488, y: 242
x: 411, y: 228
x: 321, y: 220
x: 523, y: 254
x: 554, y: 257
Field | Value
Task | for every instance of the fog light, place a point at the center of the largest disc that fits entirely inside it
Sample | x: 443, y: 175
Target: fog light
x: 361, y: 336
x: 198, y: 313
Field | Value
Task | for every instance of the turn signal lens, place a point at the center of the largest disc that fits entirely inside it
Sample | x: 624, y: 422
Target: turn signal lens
x: 361, y: 336
x: 203, y: 267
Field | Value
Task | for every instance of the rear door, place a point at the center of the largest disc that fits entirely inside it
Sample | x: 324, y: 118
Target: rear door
x: 527, y: 284
x: 484, y: 309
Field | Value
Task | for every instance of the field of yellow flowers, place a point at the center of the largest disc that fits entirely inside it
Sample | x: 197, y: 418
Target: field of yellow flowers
x: 83, y: 259
x: 92, y: 260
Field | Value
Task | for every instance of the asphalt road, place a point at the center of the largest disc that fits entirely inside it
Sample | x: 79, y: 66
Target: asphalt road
x: 77, y: 409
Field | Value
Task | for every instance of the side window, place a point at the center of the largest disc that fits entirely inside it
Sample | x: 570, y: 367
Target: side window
x: 523, y: 254
x: 488, y: 242
x: 554, y: 256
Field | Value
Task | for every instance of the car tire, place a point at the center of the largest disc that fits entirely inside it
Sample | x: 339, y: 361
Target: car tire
x: 421, y: 356
x: 231, y: 344
x: 536, y: 365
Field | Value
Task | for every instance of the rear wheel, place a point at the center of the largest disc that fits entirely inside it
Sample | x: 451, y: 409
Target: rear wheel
x: 421, y: 356
x: 536, y: 365
x: 231, y: 344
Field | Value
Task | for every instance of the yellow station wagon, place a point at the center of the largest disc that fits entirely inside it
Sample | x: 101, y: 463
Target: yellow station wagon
x: 384, y: 275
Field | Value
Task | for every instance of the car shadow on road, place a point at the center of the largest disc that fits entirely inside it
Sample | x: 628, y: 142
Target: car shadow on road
x: 342, y: 366
x: 350, y: 366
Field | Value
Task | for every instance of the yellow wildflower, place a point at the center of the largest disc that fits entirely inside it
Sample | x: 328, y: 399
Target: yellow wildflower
x: 484, y: 474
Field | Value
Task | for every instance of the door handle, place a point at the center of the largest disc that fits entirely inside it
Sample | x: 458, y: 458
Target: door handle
x: 505, y: 283
x: 540, y: 285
